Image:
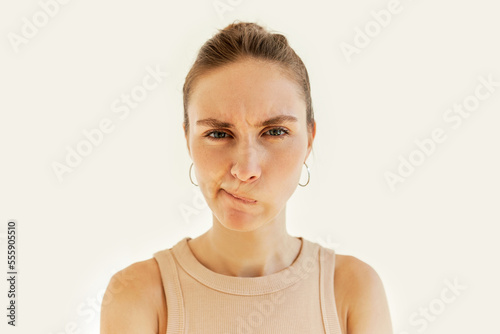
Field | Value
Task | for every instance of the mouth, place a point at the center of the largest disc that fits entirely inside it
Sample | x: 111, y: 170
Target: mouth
x: 243, y: 199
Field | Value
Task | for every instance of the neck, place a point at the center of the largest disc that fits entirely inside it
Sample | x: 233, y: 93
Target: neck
x: 261, y: 252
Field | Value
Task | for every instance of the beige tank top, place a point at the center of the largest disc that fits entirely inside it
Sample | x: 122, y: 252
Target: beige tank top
x: 297, y: 299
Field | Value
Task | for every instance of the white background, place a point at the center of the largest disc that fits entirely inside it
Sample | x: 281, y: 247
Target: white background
x: 124, y: 201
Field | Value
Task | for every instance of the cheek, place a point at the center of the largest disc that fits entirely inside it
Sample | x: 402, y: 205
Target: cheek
x: 209, y: 164
x: 288, y: 156
x: 285, y: 167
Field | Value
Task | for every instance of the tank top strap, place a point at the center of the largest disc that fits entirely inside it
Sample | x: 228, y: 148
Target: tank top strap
x: 173, y: 292
x: 327, y: 295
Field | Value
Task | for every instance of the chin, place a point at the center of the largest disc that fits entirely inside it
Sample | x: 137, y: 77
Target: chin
x: 241, y: 223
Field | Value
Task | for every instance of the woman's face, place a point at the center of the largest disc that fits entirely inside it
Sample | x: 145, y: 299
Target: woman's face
x: 235, y: 152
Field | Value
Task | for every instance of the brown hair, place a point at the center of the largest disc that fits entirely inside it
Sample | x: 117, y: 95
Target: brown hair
x: 240, y: 40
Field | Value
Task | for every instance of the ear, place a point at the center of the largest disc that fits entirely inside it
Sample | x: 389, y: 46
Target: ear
x: 187, y: 139
x: 310, y: 139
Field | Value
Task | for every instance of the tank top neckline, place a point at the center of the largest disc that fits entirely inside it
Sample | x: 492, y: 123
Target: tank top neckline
x: 305, y: 262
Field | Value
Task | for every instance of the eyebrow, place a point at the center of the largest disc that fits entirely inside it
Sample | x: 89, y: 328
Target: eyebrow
x: 215, y: 123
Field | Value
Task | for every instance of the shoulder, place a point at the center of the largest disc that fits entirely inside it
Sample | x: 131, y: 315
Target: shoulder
x: 360, y: 297
x: 350, y: 268
x: 355, y: 277
x: 141, y: 277
x: 134, y: 300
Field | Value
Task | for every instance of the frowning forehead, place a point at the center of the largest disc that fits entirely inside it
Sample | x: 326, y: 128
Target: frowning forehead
x: 216, y: 123
x: 247, y: 92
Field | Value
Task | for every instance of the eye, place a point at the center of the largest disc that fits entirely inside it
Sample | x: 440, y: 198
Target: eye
x: 219, y: 135
x: 285, y: 131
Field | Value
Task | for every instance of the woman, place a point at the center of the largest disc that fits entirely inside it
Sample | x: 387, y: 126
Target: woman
x: 249, y: 128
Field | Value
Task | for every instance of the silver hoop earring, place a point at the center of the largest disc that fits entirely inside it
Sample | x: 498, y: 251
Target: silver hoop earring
x: 190, y: 174
x: 308, y: 176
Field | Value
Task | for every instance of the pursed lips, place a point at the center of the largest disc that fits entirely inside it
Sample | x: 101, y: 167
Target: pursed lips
x: 242, y: 198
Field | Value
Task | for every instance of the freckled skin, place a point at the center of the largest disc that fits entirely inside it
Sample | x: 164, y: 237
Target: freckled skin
x: 265, y: 166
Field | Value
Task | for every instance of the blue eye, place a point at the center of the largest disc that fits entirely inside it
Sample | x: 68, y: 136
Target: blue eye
x: 218, y: 134
x: 279, y: 129
x: 215, y: 132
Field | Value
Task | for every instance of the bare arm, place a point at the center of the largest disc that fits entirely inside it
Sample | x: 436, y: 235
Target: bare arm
x: 367, y: 310
x: 133, y: 301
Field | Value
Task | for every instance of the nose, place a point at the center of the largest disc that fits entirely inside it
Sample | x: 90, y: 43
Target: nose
x: 247, y: 165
